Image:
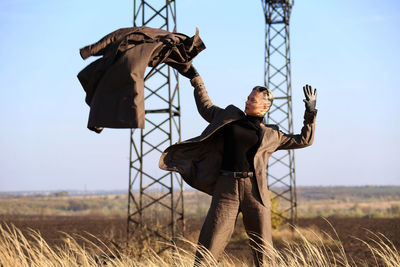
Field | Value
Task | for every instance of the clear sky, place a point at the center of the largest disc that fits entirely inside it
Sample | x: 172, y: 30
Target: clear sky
x: 348, y: 50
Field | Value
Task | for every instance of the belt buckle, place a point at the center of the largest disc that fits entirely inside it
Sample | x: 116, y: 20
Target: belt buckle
x: 238, y: 175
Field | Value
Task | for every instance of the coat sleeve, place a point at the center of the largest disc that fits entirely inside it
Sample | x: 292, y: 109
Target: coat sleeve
x: 304, y: 139
x: 204, y: 105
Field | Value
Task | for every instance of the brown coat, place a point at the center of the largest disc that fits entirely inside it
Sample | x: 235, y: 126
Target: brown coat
x: 198, y: 160
x: 114, y: 83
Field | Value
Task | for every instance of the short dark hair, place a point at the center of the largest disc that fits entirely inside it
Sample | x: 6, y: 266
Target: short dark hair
x: 268, y: 95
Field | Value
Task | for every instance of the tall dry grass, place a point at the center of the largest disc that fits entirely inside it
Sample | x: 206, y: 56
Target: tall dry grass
x: 308, y: 249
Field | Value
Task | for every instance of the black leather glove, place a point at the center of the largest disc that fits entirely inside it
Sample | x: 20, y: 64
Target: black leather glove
x: 311, y: 98
x: 190, y: 73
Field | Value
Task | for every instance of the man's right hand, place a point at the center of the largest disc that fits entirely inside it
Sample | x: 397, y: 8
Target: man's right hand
x: 311, y: 98
x: 190, y: 73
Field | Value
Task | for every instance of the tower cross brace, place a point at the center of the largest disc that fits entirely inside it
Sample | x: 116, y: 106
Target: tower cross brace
x: 277, y: 77
x: 155, y: 198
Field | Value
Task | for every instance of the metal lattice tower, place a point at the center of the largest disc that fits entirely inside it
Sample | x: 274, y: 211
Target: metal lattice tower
x: 277, y: 77
x: 155, y: 203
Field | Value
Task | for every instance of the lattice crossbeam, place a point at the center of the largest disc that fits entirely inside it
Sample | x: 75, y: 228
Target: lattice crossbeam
x: 154, y: 198
x: 280, y: 170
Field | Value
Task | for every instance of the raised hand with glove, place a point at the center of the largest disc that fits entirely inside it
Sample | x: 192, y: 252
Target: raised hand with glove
x: 311, y: 98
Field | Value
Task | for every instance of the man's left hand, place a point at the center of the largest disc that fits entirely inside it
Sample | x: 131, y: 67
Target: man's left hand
x: 190, y: 73
x: 311, y: 98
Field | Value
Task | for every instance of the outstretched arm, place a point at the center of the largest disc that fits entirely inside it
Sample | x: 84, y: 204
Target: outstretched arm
x: 306, y: 138
x: 204, y: 104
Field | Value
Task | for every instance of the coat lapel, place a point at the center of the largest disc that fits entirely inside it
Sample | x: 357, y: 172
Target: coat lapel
x: 229, y: 114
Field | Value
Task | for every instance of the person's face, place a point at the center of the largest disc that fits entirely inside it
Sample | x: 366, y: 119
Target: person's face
x: 256, y: 104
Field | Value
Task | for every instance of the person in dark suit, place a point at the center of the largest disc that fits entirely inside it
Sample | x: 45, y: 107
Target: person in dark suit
x: 228, y: 161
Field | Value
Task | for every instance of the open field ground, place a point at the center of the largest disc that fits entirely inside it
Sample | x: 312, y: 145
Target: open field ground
x: 352, y: 215
x: 112, y: 231
x: 355, y: 202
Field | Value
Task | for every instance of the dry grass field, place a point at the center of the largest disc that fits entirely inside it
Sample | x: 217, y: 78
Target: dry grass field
x: 101, y: 241
x: 62, y: 230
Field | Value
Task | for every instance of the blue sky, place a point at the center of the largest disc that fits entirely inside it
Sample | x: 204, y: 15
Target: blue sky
x: 348, y: 50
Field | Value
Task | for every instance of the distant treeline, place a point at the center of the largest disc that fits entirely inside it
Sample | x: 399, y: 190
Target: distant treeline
x: 349, y: 193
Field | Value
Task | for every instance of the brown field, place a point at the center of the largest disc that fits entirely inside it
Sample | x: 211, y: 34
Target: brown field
x: 354, y: 215
x: 112, y: 231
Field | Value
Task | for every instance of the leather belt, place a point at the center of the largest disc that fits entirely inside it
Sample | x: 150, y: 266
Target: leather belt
x: 237, y: 175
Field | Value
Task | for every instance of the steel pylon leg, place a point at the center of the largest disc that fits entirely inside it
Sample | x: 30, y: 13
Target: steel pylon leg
x: 281, y: 168
x: 155, y: 204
